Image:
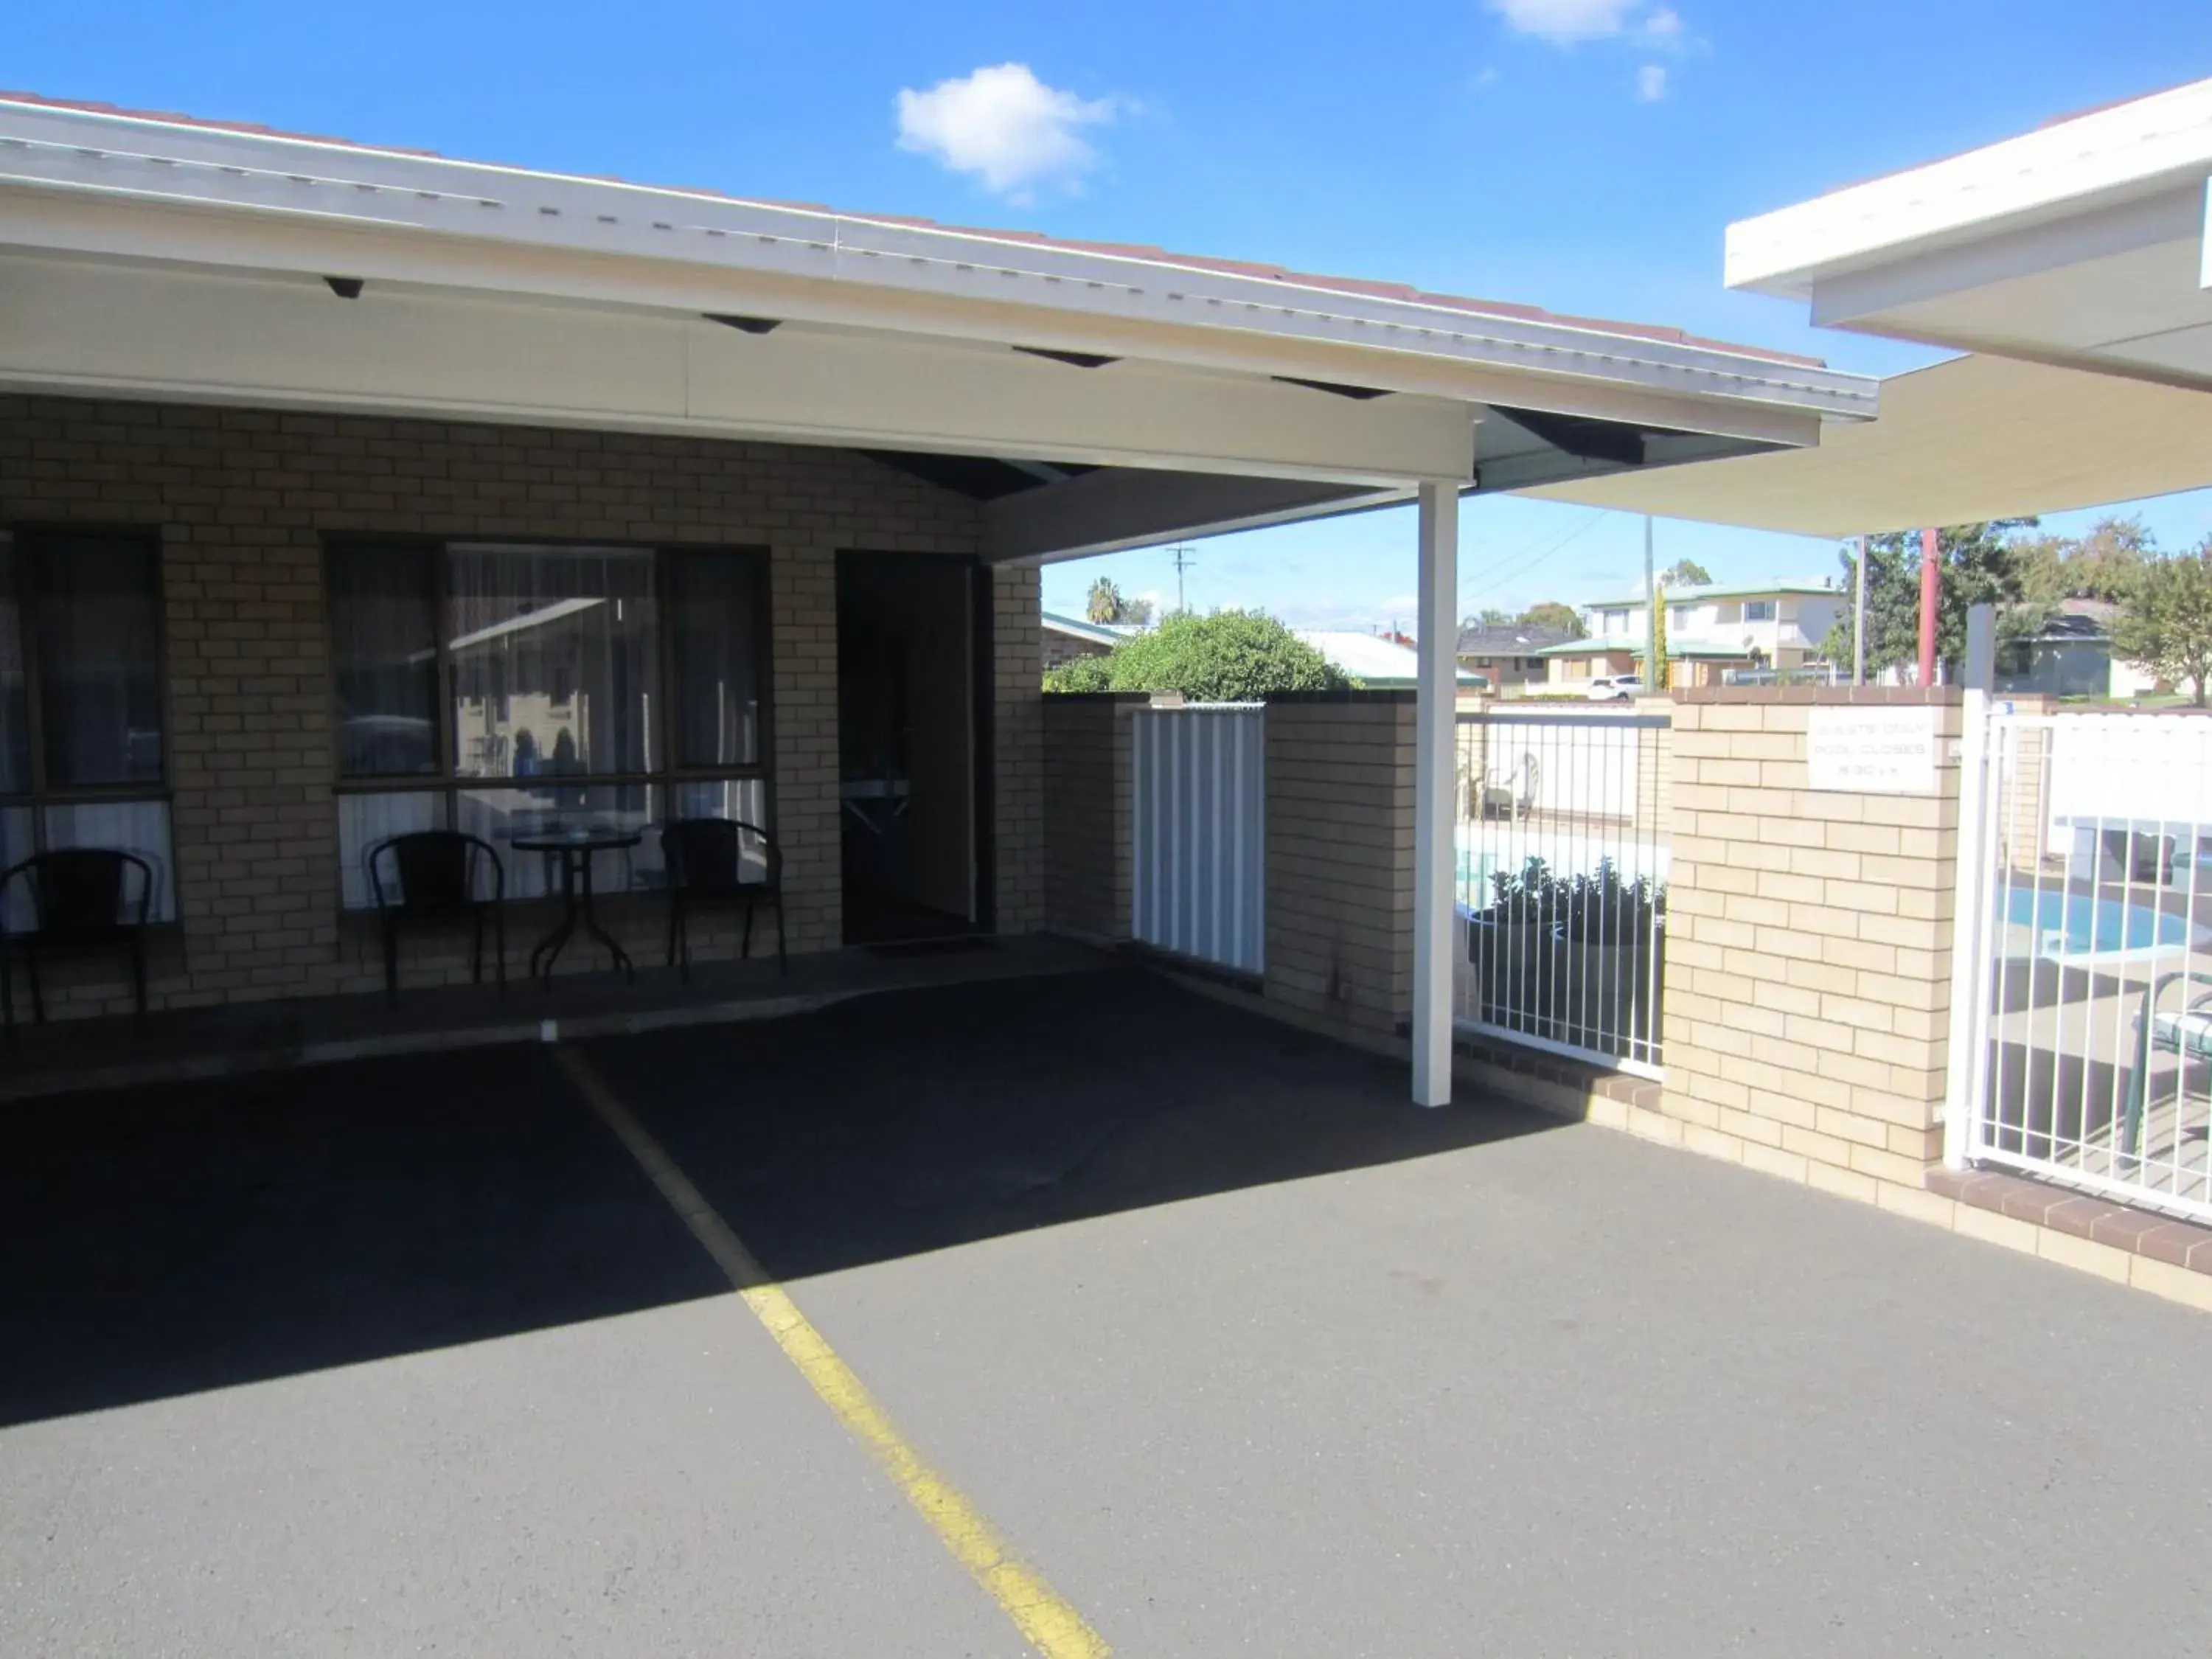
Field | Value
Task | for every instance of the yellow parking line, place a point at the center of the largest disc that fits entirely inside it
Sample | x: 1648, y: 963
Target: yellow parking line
x: 1046, y: 1618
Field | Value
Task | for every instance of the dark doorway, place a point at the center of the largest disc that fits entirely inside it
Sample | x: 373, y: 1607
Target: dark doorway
x: 907, y: 746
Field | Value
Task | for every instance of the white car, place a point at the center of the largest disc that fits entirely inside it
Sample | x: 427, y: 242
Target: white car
x: 1615, y: 688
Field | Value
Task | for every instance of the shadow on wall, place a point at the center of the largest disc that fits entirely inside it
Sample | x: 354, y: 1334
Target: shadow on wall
x: 165, y: 1241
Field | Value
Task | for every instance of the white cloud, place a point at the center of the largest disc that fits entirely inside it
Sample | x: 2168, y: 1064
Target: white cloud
x: 1565, y: 21
x: 1651, y: 83
x: 1005, y: 126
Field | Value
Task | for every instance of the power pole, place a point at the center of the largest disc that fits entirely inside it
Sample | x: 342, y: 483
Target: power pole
x: 1185, y: 556
x: 1858, y: 618
x: 1651, y: 669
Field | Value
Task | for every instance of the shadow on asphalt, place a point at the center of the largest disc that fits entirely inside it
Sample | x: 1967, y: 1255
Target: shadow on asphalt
x: 164, y: 1241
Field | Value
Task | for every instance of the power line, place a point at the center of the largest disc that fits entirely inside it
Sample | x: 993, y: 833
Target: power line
x: 1499, y: 578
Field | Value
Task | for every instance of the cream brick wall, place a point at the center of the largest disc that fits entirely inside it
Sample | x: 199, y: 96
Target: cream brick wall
x: 242, y: 499
x: 1087, y: 745
x: 1808, y: 934
x: 1340, y: 856
x: 1017, y: 744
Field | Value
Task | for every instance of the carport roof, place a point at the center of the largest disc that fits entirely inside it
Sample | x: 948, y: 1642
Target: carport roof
x: 53, y: 145
x: 1970, y: 439
x: 1088, y: 396
x: 1140, y: 252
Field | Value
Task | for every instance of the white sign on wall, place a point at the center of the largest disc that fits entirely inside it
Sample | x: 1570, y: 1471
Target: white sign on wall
x: 1872, y: 750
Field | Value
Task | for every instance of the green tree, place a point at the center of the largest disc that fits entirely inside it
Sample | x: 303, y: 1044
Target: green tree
x: 1657, y: 671
x: 1685, y: 572
x: 1491, y: 617
x: 1232, y: 656
x: 2165, y: 622
x: 2101, y: 565
x: 1552, y: 614
x: 1106, y: 603
x: 1982, y: 563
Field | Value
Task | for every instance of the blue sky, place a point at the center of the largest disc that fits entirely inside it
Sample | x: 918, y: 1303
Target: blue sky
x: 1581, y: 155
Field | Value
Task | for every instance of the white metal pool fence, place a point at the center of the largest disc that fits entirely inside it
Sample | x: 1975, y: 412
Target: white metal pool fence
x: 2085, y: 954
x: 1560, y: 911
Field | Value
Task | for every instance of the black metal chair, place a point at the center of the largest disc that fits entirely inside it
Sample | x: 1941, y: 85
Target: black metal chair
x: 434, y: 871
x: 705, y: 860
x: 79, y: 896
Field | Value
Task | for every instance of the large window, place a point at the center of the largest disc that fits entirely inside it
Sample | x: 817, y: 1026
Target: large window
x: 1758, y: 611
x: 83, y: 750
x: 501, y: 688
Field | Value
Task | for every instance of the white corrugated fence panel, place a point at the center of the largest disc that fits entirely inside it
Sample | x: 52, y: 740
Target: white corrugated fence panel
x: 1198, y: 824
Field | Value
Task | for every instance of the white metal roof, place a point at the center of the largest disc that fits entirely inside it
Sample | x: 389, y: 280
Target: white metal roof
x: 1154, y: 396
x: 2083, y: 242
x: 176, y: 162
x: 1970, y: 439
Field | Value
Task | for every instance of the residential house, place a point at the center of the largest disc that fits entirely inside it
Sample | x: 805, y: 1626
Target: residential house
x: 1710, y: 630
x: 2070, y: 656
x: 1378, y: 661
x: 1064, y: 639
x: 1508, y: 656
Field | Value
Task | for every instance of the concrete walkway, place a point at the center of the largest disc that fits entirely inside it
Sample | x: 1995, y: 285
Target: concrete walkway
x: 1239, y: 1352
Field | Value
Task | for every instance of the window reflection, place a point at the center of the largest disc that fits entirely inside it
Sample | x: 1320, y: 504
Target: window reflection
x: 553, y: 660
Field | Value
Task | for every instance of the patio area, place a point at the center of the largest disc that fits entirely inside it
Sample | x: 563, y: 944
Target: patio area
x: 1238, y: 1350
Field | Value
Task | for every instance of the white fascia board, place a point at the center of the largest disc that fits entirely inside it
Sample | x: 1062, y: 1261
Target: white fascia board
x: 87, y: 327
x: 336, y: 186
x: 2204, y: 263
x: 2007, y: 253
x: 2137, y: 149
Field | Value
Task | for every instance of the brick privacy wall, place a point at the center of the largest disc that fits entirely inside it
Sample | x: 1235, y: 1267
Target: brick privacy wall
x: 1809, y: 950
x: 1018, y: 745
x: 1340, y: 856
x: 242, y: 499
x: 1087, y: 804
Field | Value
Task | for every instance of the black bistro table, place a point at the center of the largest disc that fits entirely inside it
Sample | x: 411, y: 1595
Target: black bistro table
x: 574, y: 846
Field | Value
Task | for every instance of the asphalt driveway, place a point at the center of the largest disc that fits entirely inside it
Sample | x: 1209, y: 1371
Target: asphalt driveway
x: 1239, y: 1351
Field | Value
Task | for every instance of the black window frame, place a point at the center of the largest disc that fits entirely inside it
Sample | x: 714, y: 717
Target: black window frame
x: 31, y: 542
x: 668, y: 775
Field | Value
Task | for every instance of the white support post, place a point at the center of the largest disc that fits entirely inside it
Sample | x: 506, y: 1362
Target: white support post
x: 1434, y: 849
x: 1969, y: 984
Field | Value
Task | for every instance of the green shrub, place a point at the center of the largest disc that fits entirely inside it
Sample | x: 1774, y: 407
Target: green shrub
x: 1232, y: 656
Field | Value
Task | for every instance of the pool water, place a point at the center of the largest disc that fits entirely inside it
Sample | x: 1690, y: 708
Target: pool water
x: 2082, y: 925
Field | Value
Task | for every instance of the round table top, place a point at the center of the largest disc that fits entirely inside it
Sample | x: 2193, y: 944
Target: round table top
x: 580, y: 838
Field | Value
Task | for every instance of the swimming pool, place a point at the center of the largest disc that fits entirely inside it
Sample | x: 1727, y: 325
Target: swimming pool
x: 2068, y: 924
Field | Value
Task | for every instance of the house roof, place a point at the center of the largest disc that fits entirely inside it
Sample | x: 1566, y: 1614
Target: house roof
x: 1592, y: 648
x: 1510, y: 640
x: 1108, y: 633
x: 1143, y: 252
x: 1377, y: 663
x: 1774, y: 589
x: 1677, y: 649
